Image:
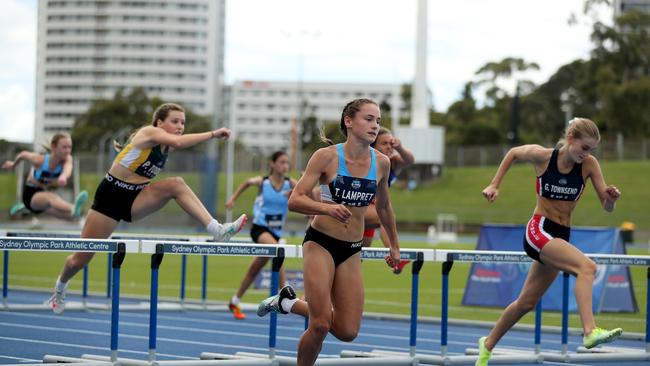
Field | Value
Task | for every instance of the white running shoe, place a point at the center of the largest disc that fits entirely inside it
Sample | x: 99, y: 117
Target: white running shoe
x: 273, y: 304
x: 57, y: 302
x: 228, y: 230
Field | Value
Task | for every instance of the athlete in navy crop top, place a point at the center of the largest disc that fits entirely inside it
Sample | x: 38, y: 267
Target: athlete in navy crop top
x: 48, y: 171
x: 561, y: 177
x: 127, y: 193
x: 353, y: 174
x: 269, y: 214
x: 558, y: 186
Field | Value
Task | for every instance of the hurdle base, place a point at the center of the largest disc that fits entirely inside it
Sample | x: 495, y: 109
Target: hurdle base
x: 422, y: 359
x: 499, y: 351
x: 606, y: 349
x: 596, y: 356
x: 78, y: 361
x: 217, y: 362
x: 290, y: 361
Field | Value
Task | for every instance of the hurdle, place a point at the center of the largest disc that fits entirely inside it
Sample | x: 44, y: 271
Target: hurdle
x: 36, y: 234
x: 84, y: 293
x: 448, y: 257
x: 605, y: 353
x: 376, y: 357
x: 158, y: 249
x: 118, y: 248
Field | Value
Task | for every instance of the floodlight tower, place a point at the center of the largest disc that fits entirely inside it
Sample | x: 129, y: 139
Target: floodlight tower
x: 419, y: 101
x: 427, y: 142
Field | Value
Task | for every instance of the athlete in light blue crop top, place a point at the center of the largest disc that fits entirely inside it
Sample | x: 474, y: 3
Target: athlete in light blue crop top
x: 49, y: 170
x: 270, y: 207
x: 44, y: 174
x: 353, y: 174
x: 349, y: 190
x: 269, y: 214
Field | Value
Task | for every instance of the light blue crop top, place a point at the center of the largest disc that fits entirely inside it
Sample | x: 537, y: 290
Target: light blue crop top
x: 348, y: 190
x: 271, y: 205
x: 46, y: 176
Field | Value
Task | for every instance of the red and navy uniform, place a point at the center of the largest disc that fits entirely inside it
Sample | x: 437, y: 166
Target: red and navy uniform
x: 552, y: 185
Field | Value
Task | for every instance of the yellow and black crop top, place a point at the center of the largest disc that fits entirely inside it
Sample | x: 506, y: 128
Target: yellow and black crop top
x: 143, y: 162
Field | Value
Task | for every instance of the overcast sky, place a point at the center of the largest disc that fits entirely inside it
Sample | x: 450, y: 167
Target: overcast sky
x: 342, y: 41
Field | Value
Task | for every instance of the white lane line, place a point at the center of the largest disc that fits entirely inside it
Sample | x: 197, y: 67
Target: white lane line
x: 21, y: 359
x: 82, y: 346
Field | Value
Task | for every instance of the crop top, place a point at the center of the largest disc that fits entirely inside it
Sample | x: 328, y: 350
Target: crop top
x: 557, y: 186
x: 348, y: 190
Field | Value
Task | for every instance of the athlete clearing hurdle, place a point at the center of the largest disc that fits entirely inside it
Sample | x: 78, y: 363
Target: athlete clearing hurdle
x: 127, y: 193
x: 561, y: 176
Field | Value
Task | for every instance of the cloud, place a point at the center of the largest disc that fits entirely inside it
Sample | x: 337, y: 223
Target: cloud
x: 17, y: 121
x: 18, y: 45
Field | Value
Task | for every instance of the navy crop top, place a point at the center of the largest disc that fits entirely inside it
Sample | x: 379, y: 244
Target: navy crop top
x: 348, y: 190
x: 557, y: 186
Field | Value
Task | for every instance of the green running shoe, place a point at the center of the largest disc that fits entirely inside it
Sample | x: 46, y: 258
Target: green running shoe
x: 600, y: 336
x: 16, y: 208
x: 81, y: 200
x: 483, y: 353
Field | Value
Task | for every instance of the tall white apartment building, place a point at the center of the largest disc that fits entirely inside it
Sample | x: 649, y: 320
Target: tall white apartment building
x: 261, y: 112
x: 88, y: 49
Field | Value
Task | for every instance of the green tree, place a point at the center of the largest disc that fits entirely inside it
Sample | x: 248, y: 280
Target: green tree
x: 493, y: 73
x: 120, y: 116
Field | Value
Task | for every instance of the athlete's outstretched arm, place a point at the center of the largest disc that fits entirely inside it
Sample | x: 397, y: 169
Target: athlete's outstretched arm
x: 300, y: 200
x: 35, y: 158
x: 531, y: 153
x: 150, y: 136
x: 66, y: 172
x: 608, y: 194
x: 385, y: 210
x: 255, y: 181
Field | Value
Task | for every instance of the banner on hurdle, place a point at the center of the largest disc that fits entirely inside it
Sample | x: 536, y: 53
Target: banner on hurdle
x: 498, y: 284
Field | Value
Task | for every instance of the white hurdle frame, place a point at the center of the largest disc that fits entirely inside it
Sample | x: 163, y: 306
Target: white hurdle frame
x: 119, y: 248
x: 447, y: 257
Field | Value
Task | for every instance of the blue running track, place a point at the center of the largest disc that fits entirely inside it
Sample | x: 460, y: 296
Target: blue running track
x: 26, y: 336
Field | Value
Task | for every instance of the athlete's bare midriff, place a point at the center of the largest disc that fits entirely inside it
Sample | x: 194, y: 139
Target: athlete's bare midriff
x: 126, y: 175
x: 555, y: 210
x: 351, y: 232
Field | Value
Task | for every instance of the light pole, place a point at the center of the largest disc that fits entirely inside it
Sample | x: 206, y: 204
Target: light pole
x: 301, y: 101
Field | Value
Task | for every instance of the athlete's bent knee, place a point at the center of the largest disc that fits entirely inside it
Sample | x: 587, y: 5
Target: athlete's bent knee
x: 588, y: 269
x: 346, y: 335
x: 179, y: 182
x: 319, y: 327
